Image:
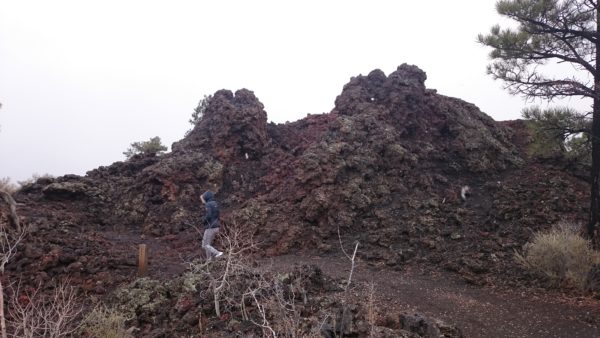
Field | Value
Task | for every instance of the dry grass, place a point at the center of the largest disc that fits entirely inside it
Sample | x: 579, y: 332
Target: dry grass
x: 103, y: 322
x: 561, y: 255
x: 8, y: 186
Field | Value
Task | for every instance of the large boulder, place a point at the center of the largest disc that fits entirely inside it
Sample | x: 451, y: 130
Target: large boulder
x: 234, y: 126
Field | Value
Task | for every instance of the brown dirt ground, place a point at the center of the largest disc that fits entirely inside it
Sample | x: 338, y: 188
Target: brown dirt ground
x: 479, y: 311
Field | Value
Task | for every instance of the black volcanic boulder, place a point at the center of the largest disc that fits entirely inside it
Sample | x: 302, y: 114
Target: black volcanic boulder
x: 400, y: 111
x: 234, y: 126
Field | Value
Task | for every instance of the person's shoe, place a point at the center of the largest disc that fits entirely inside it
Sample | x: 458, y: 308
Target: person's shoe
x: 219, y: 254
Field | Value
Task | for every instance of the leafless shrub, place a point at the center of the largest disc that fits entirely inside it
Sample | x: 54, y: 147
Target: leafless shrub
x: 8, y: 186
x: 278, y: 303
x: 11, y: 234
x: 13, y: 217
x: 561, y: 255
x: 34, y: 178
x: 32, y: 313
x: 104, y: 322
x: 269, y: 301
x: 351, y: 258
x: 263, y: 322
x: 345, y: 296
x: 234, y: 263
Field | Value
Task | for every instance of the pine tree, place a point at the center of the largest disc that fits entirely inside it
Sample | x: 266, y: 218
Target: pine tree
x: 199, y: 112
x: 200, y: 109
x: 552, y: 31
x: 151, y: 147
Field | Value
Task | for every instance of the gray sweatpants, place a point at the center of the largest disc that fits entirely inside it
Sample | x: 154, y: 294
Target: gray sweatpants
x: 207, y: 239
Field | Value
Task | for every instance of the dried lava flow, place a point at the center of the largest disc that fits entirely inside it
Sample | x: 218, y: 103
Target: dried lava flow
x: 384, y: 167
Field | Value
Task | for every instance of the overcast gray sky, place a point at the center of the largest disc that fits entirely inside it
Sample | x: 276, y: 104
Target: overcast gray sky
x: 81, y: 80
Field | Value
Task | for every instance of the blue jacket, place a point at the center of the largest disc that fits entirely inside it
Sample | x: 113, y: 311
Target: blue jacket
x: 211, y: 218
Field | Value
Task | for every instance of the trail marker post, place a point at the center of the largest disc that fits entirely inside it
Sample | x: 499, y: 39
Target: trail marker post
x: 142, y: 260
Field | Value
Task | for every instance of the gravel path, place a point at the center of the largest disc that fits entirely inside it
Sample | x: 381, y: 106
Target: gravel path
x: 477, y: 311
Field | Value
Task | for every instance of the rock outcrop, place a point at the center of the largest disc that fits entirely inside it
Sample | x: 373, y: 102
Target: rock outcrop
x: 384, y: 167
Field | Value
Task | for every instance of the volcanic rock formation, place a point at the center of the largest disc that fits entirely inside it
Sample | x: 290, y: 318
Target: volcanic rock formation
x: 384, y: 167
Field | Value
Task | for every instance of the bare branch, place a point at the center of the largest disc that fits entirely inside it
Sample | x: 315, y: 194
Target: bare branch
x: 263, y: 314
x: 351, y: 267
x: 33, y: 314
x: 8, y: 199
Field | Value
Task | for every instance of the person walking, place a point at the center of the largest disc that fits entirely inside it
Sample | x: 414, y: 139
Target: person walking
x: 211, y: 224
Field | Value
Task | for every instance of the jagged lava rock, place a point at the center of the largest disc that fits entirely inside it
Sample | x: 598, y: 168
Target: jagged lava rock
x: 384, y: 167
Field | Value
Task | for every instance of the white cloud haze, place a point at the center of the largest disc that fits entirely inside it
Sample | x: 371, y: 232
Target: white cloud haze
x: 81, y: 80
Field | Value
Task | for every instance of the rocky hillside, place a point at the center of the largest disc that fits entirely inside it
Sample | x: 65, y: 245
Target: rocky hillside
x: 384, y: 167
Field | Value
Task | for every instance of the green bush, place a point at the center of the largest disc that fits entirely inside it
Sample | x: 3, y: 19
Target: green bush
x: 200, y: 109
x: 561, y: 255
x: 199, y: 112
x: 152, y: 146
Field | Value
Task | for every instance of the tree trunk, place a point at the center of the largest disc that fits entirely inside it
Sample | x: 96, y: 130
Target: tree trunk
x: 2, y: 320
x: 595, y: 197
x: 595, y: 177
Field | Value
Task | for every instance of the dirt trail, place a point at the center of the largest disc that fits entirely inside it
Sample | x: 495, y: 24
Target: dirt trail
x: 477, y: 311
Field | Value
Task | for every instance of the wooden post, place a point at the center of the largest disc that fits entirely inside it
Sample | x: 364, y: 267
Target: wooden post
x: 143, y: 260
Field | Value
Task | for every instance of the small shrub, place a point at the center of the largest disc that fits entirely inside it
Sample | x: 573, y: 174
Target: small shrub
x: 199, y: 112
x: 103, y: 322
x: 152, y: 146
x: 34, y: 178
x: 561, y: 255
x: 200, y: 109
